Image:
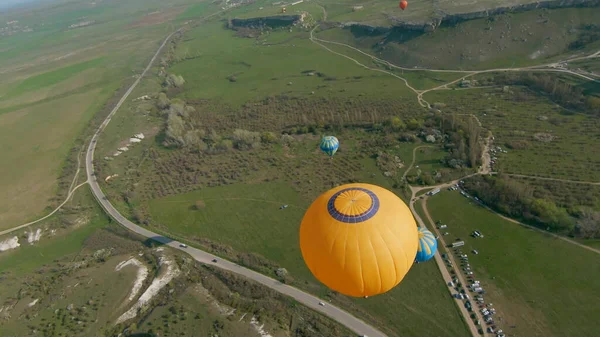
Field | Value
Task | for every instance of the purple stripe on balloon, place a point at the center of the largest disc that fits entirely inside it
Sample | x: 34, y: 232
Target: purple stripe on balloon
x: 368, y: 214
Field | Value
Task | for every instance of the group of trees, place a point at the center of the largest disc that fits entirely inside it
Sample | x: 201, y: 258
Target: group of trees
x: 589, y: 34
x: 463, y: 139
x: 462, y: 135
x: 510, y: 197
x: 183, y: 129
x: 173, y: 81
x: 397, y: 124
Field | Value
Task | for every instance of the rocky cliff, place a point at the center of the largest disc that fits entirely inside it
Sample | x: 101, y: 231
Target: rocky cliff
x: 269, y: 21
x: 451, y: 19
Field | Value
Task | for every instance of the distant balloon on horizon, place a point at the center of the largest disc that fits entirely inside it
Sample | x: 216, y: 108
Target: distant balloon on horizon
x: 403, y: 4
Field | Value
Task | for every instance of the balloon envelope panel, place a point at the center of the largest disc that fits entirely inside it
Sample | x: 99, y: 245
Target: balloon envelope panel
x: 359, y: 239
x: 329, y: 145
x: 427, y: 245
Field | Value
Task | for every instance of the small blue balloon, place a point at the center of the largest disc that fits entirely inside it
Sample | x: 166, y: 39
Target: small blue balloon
x: 329, y: 145
x: 427, y: 245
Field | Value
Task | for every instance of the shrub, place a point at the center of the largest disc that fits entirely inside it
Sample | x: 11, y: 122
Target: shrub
x: 175, y: 129
x: 518, y: 144
x: 224, y: 145
x: 199, y: 204
x: 268, y: 137
x: 173, y: 80
x: 414, y: 124
x: 287, y: 139
x: 163, y: 101
x: 397, y: 124
x: 244, y: 139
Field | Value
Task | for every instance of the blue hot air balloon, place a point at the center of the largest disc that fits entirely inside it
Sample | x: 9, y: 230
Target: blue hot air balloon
x: 329, y: 145
x: 427, y: 245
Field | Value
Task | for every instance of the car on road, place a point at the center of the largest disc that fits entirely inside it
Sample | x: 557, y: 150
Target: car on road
x: 183, y: 245
x: 322, y: 304
x: 214, y: 260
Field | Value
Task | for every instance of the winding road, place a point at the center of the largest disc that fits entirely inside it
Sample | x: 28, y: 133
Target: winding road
x: 308, y: 300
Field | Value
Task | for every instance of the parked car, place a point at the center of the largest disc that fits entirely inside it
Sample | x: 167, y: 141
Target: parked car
x: 183, y: 245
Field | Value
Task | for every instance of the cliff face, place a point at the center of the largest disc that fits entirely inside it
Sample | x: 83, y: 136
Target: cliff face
x: 451, y: 19
x: 270, y: 21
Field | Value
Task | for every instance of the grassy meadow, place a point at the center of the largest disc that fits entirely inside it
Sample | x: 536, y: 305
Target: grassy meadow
x: 510, y: 40
x: 263, y: 68
x: 540, y: 285
x: 56, y: 79
x: 247, y: 218
x: 194, y: 310
x: 515, y: 118
x: 91, y: 292
x: 63, y: 235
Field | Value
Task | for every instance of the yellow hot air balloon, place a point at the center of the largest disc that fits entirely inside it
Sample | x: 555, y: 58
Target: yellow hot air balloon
x: 359, y: 239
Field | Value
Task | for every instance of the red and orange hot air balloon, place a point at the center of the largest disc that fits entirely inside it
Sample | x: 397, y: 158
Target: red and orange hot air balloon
x: 403, y: 4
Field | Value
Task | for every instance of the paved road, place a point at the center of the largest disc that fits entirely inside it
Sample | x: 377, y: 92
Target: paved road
x: 310, y: 301
x: 445, y: 274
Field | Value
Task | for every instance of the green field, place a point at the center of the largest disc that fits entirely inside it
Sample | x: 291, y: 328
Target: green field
x: 428, y: 160
x: 99, y: 285
x: 262, y: 69
x: 55, y: 81
x: 26, y: 258
x: 194, y: 311
x: 36, y: 140
x: 53, y: 77
x: 541, y: 285
x: 248, y: 218
x: 516, y: 124
x: 63, y: 235
x: 509, y: 40
x: 418, y: 79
